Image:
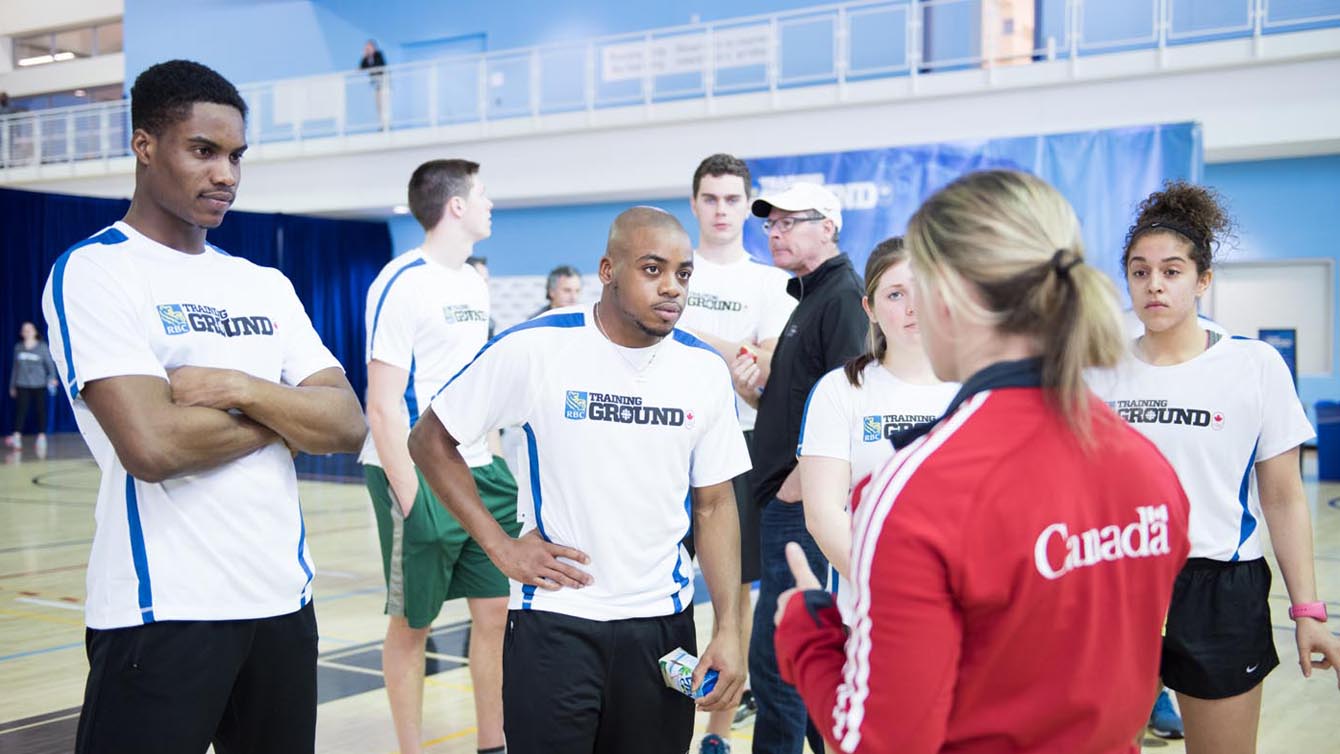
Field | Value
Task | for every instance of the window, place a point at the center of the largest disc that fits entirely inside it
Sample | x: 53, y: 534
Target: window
x: 67, y: 44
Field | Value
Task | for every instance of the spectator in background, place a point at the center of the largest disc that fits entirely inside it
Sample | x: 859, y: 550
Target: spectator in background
x: 32, y: 373
x: 563, y: 288
x: 5, y: 107
x: 481, y: 265
x: 373, y: 62
x: 826, y: 329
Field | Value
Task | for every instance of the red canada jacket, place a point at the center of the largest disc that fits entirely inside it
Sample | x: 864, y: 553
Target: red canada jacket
x: 1010, y: 586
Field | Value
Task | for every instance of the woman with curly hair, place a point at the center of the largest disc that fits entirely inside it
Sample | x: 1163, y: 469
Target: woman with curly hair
x: 1225, y: 414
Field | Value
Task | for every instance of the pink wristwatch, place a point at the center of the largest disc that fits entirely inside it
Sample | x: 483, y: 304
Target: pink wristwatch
x: 1308, y: 610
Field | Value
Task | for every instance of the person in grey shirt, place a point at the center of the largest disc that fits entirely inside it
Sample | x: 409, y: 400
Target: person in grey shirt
x: 33, y: 372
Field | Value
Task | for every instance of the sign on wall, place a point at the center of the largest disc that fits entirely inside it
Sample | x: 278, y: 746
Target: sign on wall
x: 687, y: 53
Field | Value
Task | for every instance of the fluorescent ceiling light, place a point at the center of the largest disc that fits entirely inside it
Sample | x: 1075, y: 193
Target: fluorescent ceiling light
x: 44, y: 59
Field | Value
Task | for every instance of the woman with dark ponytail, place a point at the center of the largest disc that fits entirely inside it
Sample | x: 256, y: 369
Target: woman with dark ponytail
x: 1225, y: 414
x: 854, y: 410
x: 1012, y: 564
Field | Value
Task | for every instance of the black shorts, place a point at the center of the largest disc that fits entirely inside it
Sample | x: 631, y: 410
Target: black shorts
x: 175, y: 687
x: 751, y: 558
x: 1219, y: 640
x: 577, y: 686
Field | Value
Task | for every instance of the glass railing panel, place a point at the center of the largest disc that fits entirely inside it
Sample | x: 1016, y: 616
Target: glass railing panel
x: 877, y: 41
x: 741, y: 56
x: 806, y: 50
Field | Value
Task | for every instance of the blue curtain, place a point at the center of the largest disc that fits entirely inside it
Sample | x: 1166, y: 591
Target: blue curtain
x: 331, y: 263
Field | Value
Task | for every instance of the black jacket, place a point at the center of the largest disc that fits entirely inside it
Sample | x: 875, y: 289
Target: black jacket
x: 827, y: 328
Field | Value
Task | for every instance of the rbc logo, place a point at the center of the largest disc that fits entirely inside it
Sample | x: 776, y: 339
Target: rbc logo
x: 872, y: 429
x: 575, y: 407
x: 174, y: 319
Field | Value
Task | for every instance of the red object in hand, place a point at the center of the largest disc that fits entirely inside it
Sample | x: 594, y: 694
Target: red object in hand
x: 744, y: 351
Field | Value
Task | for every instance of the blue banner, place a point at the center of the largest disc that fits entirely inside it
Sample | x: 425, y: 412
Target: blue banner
x: 1286, y: 342
x: 1105, y: 174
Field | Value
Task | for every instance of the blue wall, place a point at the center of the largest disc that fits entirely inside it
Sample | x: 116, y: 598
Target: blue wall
x: 1288, y: 209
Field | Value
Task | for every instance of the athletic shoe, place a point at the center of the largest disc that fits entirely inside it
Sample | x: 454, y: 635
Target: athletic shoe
x: 747, y: 709
x: 1164, y: 721
x: 713, y: 744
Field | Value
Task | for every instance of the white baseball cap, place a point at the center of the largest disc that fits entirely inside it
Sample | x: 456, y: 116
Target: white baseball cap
x: 801, y: 196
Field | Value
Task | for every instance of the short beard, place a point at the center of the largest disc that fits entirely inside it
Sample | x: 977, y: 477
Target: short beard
x: 638, y: 323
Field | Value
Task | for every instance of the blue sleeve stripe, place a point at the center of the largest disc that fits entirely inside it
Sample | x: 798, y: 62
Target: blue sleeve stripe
x: 107, y: 238
x: 302, y: 561
x: 694, y: 341
x: 138, y: 553
x: 572, y: 319
x: 534, y: 478
x: 377, y: 315
x: 528, y: 590
x: 1248, y: 525
x: 411, y: 395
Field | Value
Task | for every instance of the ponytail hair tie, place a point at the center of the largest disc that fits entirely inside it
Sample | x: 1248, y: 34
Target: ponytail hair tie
x: 1062, y: 265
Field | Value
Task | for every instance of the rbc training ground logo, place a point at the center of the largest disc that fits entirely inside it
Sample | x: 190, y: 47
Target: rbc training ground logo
x: 1157, y: 411
x: 180, y: 319
x: 882, y: 427
x: 622, y: 409
x: 461, y: 313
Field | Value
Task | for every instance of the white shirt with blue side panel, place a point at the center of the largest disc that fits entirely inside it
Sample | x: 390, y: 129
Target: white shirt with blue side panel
x: 1214, y: 418
x: 854, y: 424
x: 429, y: 320
x: 223, y: 544
x: 615, y: 439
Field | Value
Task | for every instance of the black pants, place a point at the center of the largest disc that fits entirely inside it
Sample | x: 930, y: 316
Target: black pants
x: 175, y: 687
x: 30, y: 398
x: 576, y: 686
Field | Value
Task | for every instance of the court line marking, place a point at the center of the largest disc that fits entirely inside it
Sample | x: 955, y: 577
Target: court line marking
x: 446, y: 658
x: 351, y: 668
x: 47, y: 721
x: 50, y: 603
x: 33, y: 652
x: 41, y: 617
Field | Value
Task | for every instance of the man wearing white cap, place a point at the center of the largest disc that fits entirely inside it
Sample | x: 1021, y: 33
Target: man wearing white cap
x: 827, y: 328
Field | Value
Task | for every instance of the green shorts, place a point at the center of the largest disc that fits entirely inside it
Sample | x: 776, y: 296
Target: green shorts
x: 428, y: 558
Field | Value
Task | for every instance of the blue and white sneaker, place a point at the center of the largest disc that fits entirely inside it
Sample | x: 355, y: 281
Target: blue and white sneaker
x: 713, y: 744
x: 1164, y: 721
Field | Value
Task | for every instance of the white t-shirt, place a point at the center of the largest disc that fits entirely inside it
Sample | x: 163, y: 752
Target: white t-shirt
x: 615, y: 439
x: 740, y: 301
x: 223, y: 544
x: 854, y: 424
x: 1214, y: 418
x: 429, y: 320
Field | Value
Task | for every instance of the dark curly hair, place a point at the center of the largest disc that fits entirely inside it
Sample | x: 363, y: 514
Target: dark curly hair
x: 721, y: 164
x: 163, y: 95
x: 1194, y: 213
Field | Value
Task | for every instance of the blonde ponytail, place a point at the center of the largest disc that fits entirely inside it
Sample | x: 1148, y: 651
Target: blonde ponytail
x: 1015, y: 240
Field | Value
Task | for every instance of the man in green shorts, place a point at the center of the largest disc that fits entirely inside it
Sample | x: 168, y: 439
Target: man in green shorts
x: 427, y: 316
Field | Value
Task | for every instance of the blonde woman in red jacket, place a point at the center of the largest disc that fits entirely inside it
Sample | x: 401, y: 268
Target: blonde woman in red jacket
x: 1012, y: 565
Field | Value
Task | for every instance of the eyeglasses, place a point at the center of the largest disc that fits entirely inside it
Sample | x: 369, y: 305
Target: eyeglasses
x: 785, y: 224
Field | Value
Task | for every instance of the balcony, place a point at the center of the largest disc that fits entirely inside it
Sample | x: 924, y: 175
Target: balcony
x: 846, y: 53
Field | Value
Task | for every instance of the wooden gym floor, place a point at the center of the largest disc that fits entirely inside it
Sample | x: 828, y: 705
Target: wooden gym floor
x: 46, y: 526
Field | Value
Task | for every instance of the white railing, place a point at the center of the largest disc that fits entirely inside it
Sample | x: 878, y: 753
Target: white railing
x: 822, y: 45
